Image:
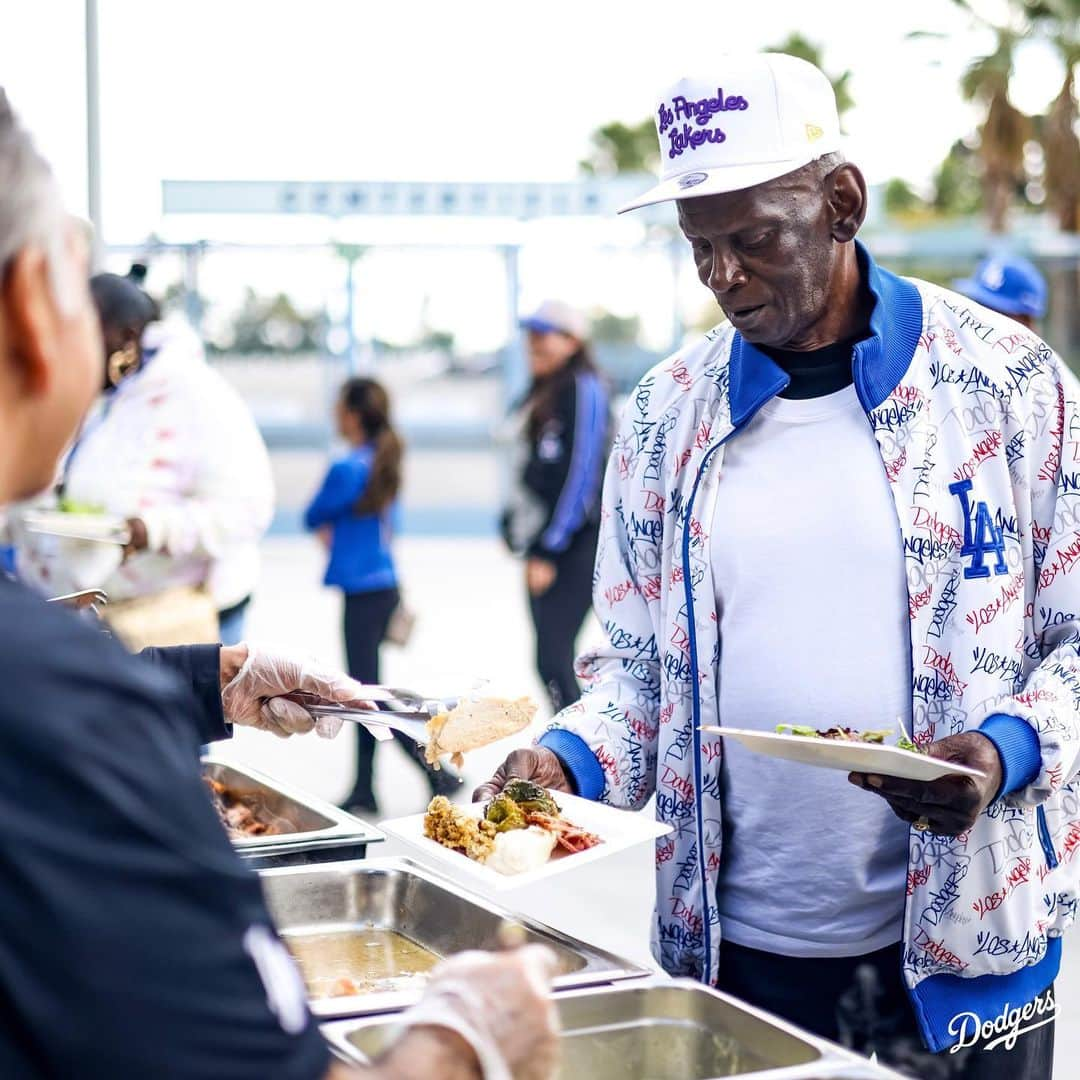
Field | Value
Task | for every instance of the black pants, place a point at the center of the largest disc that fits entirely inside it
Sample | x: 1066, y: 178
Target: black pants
x: 861, y: 1003
x: 367, y: 616
x: 558, y: 615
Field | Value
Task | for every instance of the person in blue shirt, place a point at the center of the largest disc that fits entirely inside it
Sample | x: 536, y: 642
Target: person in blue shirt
x: 353, y: 511
x: 1009, y: 284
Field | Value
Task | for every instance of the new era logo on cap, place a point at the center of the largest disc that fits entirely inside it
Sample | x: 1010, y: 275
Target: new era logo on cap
x: 760, y: 117
x: 692, y: 180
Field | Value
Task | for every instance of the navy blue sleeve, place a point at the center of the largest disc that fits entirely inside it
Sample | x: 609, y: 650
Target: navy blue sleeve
x: 585, y: 466
x: 135, y: 942
x: 342, y: 487
x: 199, y: 667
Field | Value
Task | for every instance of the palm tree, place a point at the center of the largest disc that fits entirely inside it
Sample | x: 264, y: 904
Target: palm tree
x: 1059, y: 22
x: 622, y: 148
x: 1004, y: 131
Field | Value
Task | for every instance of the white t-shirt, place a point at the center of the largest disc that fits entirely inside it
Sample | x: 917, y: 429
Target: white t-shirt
x: 812, y: 602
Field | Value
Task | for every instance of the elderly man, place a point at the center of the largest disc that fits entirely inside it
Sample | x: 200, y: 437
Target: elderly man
x: 133, y: 942
x: 854, y: 503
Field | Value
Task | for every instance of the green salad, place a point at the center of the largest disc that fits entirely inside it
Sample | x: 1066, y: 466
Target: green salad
x: 847, y: 734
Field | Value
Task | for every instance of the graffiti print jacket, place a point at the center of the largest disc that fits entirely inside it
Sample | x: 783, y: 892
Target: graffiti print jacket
x: 978, y: 424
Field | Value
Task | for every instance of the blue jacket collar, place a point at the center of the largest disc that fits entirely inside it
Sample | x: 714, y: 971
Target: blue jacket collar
x: 880, y: 361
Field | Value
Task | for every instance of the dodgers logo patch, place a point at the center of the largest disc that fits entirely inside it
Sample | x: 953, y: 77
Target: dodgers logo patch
x: 982, y: 539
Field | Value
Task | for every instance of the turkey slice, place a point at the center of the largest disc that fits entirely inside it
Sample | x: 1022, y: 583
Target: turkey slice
x: 475, y: 723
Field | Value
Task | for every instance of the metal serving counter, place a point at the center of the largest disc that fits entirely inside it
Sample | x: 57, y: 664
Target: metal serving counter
x: 395, y: 894
x: 657, y: 1030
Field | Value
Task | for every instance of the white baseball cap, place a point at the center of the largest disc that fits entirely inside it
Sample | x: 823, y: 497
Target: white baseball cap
x: 558, y: 316
x: 760, y: 116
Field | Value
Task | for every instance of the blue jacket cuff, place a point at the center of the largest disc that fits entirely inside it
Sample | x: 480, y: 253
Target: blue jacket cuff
x: 577, y: 759
x: 1017, y: 745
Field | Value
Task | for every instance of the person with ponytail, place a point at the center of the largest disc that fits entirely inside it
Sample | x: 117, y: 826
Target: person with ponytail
x: 353, y: 511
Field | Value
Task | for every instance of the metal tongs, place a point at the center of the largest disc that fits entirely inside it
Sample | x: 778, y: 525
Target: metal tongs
x: 395, y: 710
x: 80, y: 601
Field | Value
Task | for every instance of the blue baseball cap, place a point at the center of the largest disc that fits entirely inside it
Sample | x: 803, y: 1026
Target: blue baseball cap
x: 1006, y: 283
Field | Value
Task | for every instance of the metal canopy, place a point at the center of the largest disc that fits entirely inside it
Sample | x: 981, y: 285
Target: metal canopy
x: 336, y: 199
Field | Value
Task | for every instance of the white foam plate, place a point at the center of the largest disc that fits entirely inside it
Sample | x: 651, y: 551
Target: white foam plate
x: 877, y: 758
x: 97, y: 528
x: 619, y: 830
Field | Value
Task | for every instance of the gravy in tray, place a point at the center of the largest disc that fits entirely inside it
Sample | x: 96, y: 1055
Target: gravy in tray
x: 363, y: 960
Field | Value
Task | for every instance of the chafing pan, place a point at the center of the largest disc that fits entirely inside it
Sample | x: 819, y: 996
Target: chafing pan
x: 312, y: 830
x: 397, y: 894
x: 658, y: 1030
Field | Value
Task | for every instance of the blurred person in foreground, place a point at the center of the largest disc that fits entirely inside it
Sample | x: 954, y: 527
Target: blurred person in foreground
x: 133, y: 940
x: 554, y: 515
x: 850, y: 506
x: 353, y: 511
x: 169, y: 446
x: 1010, y: 285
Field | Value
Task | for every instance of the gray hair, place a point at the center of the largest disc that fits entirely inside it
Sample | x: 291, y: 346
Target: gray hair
x: 31, y: 209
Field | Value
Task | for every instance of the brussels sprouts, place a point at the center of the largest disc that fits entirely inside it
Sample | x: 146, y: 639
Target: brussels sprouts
x: 531, y: 797
x: 505, y: 814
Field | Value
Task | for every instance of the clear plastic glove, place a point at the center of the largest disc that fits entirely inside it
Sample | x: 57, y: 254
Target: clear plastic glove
x: 498, y: 1003
x: 255, y: 696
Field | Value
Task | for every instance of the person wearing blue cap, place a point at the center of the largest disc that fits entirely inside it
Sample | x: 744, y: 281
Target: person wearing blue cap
x: 1008, y: 284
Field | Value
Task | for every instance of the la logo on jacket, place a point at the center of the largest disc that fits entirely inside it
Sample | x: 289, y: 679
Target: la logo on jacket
x: 985, y: 538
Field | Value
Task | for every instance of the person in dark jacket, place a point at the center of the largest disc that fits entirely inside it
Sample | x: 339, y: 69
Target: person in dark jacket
x: 554, y: 515
x: 353, y: 512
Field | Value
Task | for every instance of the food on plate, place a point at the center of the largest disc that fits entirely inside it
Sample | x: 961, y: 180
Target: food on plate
x: 521, y: 850
x: 475, y: 723
x: 450, y: 826
x: 530, y: 797
x: 519, y: 831
x: 839, y: 734
x: 238, y: 812
x: 73, y: 506
x: 570, y: 837
x: 847, y: 734
x: 505, y: 814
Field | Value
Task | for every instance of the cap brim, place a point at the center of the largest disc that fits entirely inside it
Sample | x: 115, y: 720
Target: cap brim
x: 541, y: 326
x: 720, y: 181
x: 970, y: 288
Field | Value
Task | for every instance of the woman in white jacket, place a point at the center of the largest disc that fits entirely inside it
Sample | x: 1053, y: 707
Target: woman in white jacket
x: 170, y: 447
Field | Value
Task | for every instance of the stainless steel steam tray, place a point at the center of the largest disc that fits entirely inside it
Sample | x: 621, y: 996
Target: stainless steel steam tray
x: 433, y: 912
x: 304, y: 823
x: 658, y: 1029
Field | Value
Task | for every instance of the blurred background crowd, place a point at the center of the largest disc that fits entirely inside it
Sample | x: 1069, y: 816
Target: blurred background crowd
x: 407, y: 311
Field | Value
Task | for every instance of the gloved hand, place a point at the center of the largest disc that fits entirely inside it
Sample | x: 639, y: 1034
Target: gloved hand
x: 535, y: 763
x: 498, y: 1003
x: 254, y: 695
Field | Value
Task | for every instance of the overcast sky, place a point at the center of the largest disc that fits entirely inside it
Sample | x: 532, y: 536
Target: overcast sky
x: 438, y: 89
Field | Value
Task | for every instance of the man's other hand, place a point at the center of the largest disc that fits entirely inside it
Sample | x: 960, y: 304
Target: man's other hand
x: 951, y: 804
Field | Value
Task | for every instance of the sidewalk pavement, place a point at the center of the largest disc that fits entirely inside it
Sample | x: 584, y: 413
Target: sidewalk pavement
x: 472, y: 624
